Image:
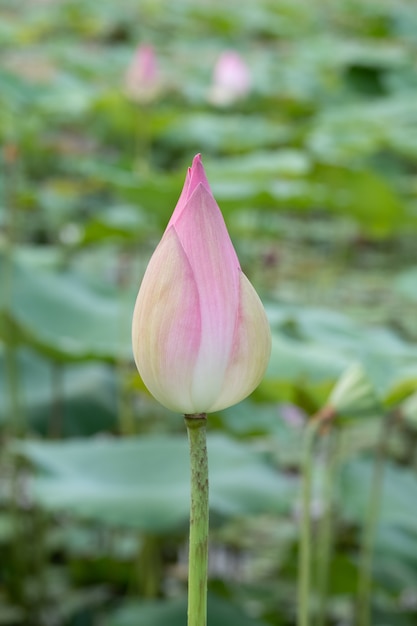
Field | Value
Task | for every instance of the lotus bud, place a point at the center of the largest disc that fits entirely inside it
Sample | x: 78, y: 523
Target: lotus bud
x: 201, y: 339
x: 142, y: 80
x: 354, y: 393
x: 231, y: 79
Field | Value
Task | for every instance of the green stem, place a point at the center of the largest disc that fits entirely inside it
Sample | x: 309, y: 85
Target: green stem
x: 149, y: 567
x: 125, y: 415
x: 199, y: 518
x: 370, y: 526
x: 56, y: 416
x: 325, y: 530
x: 304, y: 554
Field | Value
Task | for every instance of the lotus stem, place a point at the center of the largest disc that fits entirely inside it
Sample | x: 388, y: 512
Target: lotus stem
x: 304, y: 558
x: 199, y: 521
x: 326, y: 527
x: 371, y: 523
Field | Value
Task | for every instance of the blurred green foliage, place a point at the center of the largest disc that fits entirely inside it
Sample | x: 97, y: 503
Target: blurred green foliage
x: 315, y: 172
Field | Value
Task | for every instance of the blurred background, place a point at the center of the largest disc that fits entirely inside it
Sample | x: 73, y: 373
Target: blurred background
x: 306, y: 117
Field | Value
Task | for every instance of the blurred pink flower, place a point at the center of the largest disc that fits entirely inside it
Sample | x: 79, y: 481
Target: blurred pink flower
x: 231, y: 79
x: 293, y: 415
x: 201, y: 339
x: 142, y: 80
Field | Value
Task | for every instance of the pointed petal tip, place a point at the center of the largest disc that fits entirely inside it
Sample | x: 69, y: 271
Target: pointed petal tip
x: 197, y: 175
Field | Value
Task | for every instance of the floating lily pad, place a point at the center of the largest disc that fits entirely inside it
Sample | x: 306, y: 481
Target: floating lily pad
x: 72, y: 399
x: 144, y: 482
x: 63, y: 315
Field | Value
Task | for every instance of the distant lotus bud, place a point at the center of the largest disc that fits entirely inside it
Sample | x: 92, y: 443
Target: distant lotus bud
x: 142, y: 80
x: 231, y: 79
x: 201, y: 339
x: 354, y: 393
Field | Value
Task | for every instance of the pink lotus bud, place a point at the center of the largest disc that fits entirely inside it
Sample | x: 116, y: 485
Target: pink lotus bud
x: 201, y: 339
x: 231, y: 79
x: 142, y: 81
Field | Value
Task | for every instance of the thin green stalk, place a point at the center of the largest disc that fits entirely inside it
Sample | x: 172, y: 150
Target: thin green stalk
x: 304, y: 554
x: 325, y: 529
x: 125, y: 415
x: 39, y: 557
x: 56, y: 416
x: 199, y: 521
x: 370, y: 525
x: 149, y: 572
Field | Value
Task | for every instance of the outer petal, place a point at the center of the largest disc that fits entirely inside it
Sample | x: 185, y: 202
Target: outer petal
x: 201, y: 340
x: 195, y: 176
x: 166, y: 328
x: 251, y: 349
x: 206, y: 242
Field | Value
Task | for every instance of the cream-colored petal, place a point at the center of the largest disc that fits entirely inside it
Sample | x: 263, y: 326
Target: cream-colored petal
x: 166, y: 327
x: 251, y: 349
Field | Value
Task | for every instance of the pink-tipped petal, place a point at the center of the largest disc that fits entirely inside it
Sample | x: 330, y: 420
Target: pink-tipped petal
x: 206, y: 242
x: 198, y: 176
x: 195, y: 176
x: 166, y: 329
